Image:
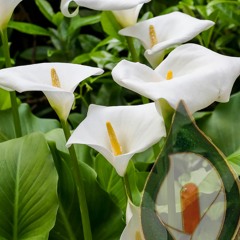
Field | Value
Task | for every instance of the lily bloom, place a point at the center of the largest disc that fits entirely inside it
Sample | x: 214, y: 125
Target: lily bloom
x: 197, y: 199
x: 119, y: 132
x: 127, y: 17
x: 101, y: 5
x: 6, y: 11
x: 162, y: 32
x: 133, y: 229
x: 56, y: 80
x: 190, y: 72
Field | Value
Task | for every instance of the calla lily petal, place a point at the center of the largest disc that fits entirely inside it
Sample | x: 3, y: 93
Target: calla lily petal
x: 101, y: 5
x: 6, y: 10
x: 200, y: 77
x: 136, y: 127
x: 37, y: 77
x: 133, y: 229
x: 128, y: 17
x: 169, y: 29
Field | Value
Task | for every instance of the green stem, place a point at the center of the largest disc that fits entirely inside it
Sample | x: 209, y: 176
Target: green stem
x: 79, y: 185
x: 16, y: 118
x: 132, y: 49
x: 127, y: 187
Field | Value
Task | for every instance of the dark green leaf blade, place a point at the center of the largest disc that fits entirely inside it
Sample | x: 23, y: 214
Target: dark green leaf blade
x: 28, y: 28
x: 28, y: 192
x: 222, y: 126
x: 29, y: 122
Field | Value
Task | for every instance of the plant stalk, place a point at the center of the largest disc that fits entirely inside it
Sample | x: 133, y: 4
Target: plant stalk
x: 79, y: 185
x: 132, y: 49
x: 127, y: 187
x: 16, y: 118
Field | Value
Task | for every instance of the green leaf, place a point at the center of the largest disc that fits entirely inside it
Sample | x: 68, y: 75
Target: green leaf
x: 110, y: 25
x: 45, y: 8
x: 109, y: 94
x: 104, y: 59
x: 132, y: 179
x: 102, y: 211
x: 81, y: 58
x: 38, y: 53
x: 110, y: 181
x: 77, y: 22
x: 222, y: 126
x: 58, y: 18
x: 28, y: 188
x: 234, y: 161
x: 5, y: 101
x: 29, y: 123
x: 214, y: 2
x: 28, y: 28
x: 75, y: 119
x: 104, y: 42
x: 68, y: 222
x: 227, y: 12
x: 88, y: 42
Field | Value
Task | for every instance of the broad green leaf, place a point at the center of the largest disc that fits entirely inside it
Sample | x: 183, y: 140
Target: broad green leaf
x: 5, y: 102
x: 28, y: 188
x: 110, y: 181
x: 188, y: 156
x: 131, y: 181
x: 83, y: 151
x: 222, y: 125
x: 45, y: 8
x: 68, y: 221
x: 28, y: 28
x: 112, y: 227
x: 109, y: 95
x: 29, y: 123
x: 234, y: 161
x: 57, y: 136
x: 75, y: 119
x: 102, y: 211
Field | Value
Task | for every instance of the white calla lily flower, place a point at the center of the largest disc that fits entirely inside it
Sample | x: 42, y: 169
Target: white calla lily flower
x: 162, y: 32
x: 127, y: 17
x: 119, y: 132
x: 6, y: 11
x: 56, y: 80
x: 133, y: 229
x: 101, y: 5
x: 191, y: 73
